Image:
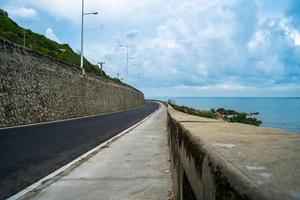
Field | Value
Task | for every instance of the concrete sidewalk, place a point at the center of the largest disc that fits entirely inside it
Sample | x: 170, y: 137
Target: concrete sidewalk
x: 136, y: 166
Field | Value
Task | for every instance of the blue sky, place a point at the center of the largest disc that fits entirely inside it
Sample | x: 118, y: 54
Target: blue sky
x: 182, y: 48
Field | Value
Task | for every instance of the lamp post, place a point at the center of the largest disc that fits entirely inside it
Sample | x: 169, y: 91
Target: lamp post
x: 127, y: 61
x: 139, y: 74
x: 131, y: 58
x: 126, y: 74
x: 118, y: 75
x: 82, y: 23
x: 101, y: 65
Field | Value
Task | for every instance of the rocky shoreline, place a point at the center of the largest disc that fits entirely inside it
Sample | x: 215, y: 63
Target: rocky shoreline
x: 220, y: 113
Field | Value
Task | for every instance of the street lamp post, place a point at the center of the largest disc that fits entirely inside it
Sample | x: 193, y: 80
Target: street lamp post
x: 139, y: 74
x: 131, y: 58
x: 118, y: 75
x: 126, y: 74
x: 127, y: 61
x: 101, y: 65
x: 82, y: 23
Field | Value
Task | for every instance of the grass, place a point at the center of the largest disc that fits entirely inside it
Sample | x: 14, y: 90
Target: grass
x: 13, y: 32
x: 193, y: 111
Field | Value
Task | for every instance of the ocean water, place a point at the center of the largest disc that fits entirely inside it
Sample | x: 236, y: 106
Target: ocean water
x: 282, y: 113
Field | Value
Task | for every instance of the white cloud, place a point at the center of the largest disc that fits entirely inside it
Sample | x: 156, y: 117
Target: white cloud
x: 271, y: 65
x: 132, y: 34
x: 22, y: 12
x: 210, y: 45
x: 296, y: 38
x: 258, y: 40
x: 290, y: 31
x: 208, y: 91
x: 51, y: 35
x: 216, y: 45
x: 111, y: 10
x: 223, y: 86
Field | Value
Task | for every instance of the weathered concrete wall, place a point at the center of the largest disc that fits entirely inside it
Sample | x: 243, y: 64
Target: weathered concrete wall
x: 213, y: 159
x: 36, y: 88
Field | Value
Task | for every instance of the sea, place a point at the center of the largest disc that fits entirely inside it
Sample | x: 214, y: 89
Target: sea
x: 275, y: 112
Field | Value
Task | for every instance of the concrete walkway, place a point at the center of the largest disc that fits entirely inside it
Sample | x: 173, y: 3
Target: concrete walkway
x: 136, y: 166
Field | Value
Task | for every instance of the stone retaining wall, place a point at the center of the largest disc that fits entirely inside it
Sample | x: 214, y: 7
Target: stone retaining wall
x: 36, y: 88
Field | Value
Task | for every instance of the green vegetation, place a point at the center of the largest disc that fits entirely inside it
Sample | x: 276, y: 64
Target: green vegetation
x: 193, y: 111
x: 227, y: 115
x: 12, y: 31
x: 242, y: 118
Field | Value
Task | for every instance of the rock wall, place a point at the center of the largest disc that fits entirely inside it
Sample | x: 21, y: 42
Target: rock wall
x: 36, y: 88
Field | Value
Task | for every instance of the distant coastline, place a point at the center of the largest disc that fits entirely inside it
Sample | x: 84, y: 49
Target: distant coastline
x: 232, y: 116
x: 274, y: 112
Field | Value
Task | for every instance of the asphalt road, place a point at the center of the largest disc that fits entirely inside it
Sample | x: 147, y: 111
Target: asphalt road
x: 30, y: 153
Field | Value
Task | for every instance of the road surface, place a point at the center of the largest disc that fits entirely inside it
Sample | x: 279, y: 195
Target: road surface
x: 30, y: 153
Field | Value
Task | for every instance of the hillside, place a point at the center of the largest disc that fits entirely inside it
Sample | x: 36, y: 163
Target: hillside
x: 12, y: 31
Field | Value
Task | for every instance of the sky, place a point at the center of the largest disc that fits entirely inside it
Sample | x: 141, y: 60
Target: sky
x: 181, y: 48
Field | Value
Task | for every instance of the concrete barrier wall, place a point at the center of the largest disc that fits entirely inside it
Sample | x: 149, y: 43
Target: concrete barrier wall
x: 213, y: 159
x: 36, y: 88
